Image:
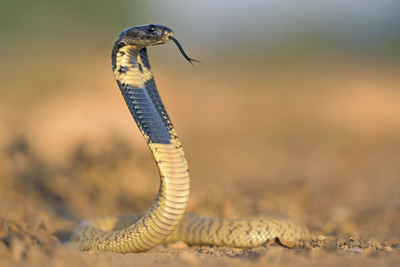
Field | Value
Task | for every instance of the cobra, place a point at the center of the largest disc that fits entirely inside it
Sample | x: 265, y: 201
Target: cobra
x: 165, y: 220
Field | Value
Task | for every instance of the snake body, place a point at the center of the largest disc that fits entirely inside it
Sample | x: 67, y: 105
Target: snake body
x: 164, y: 222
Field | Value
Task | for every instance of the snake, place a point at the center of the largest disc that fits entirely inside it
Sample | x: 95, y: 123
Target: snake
x: 165, y: 220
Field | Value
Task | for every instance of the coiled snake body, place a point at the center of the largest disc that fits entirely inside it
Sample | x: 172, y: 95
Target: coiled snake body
x: 165, y: 221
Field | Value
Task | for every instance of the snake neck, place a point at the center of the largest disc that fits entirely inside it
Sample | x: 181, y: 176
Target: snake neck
x: 135, y: 80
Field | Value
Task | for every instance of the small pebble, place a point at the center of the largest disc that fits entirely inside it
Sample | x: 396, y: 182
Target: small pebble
x: 178, y: 245
x: 354, y: 250
x: 387, y: 249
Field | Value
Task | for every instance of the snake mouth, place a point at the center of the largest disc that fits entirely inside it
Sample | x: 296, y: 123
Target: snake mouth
x: 169, y: 35
x: 191, y: 60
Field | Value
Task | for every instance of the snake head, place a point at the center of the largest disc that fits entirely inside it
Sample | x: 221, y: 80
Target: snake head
x: 146, y: 35
x: 150, y: 34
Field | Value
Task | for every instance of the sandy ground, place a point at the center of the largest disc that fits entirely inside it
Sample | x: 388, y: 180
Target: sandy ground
x: 315, y: 141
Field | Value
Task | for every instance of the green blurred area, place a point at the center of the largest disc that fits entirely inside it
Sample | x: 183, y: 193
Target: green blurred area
x: 371, y: 27
x: 61, y: 18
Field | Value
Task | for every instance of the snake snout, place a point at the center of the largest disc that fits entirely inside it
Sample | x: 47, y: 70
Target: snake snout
x: 162, y: 31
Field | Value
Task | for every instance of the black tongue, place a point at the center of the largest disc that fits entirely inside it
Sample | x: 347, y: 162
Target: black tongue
x: 183, y: 51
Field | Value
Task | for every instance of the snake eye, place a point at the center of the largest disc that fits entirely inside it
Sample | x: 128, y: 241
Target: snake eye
x: 151, y: 28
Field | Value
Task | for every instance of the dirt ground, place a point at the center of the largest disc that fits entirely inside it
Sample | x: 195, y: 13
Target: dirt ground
x: 317, y: 140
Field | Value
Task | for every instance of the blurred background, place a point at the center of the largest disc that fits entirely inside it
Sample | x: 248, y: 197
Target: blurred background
x: 294, y: 110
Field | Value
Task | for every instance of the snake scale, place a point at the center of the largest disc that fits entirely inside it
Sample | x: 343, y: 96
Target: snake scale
x: 165, y: 221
